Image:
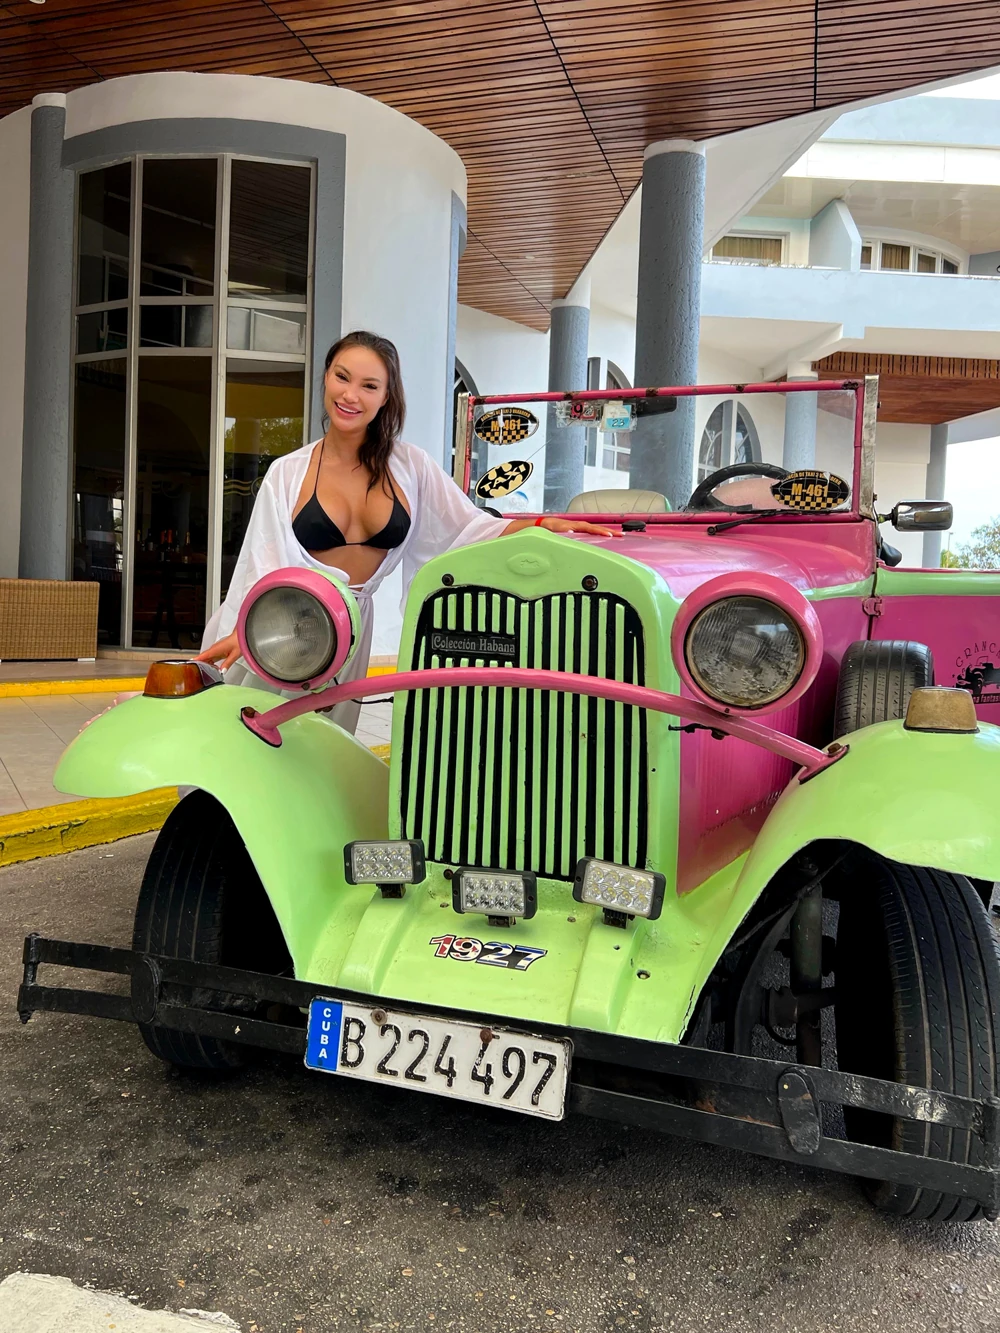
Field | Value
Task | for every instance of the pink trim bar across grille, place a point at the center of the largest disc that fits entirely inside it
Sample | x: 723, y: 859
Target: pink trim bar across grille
x: 265, y: 725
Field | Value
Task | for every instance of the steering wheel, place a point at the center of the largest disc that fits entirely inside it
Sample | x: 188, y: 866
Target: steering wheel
x: 702, y: 497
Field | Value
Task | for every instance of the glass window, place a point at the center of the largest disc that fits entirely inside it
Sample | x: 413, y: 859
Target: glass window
x: 758, y: 249
x: 175, y: 326
x: 265, y: 403
x: 105, y: 212
x: 269, y: 231
x: 250, y: 330
x: 926, y: 263
x: 895, y: 258
x: 866, y: 256
x: 746, y: 442
x: 710, y: 450
x: 948, y: 266
x: 173, y: 434
x: 99, y: 486
x: 102, y: 331
x: 178, y: 227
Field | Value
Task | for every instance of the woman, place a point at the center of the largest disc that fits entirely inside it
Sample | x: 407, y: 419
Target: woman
x: 359, y: 501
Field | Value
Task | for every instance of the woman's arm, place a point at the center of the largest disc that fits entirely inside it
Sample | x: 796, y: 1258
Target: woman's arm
x: 559, y: 525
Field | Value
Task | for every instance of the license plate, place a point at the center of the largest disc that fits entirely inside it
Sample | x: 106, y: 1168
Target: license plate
x: 441, y: 1055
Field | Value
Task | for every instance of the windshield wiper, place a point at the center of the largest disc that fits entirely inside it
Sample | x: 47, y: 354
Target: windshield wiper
x: 713, y: 528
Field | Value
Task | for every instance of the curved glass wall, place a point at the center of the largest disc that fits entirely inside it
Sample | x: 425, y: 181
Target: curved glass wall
x: 193, y: 281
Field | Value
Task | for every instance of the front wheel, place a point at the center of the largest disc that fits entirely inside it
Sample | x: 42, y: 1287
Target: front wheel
x: 918, y: 999
x: 201, y: 899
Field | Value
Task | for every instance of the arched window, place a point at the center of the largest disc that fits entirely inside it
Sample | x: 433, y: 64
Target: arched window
x: 613, y: 449
x: 730, y: 436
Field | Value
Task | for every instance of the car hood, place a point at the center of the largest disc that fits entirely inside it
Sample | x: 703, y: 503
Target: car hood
x: 808, y: 555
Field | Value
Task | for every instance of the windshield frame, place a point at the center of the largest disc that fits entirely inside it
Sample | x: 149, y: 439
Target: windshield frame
x: 865, y: 392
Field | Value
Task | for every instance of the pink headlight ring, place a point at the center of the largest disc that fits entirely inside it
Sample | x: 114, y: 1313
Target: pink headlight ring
x: 329, y: 595
x: 769, y: 589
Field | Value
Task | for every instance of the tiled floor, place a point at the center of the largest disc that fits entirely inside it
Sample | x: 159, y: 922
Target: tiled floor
x: 34, y: 732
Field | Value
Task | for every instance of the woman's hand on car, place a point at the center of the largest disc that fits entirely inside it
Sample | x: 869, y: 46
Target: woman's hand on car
x: 560, y: 525
x: 223, y: 652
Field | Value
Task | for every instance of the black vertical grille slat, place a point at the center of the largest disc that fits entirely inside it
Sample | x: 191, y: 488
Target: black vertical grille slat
x: 467, y: 771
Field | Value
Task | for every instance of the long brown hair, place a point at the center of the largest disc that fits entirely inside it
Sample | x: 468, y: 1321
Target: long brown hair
x: 385, y: 428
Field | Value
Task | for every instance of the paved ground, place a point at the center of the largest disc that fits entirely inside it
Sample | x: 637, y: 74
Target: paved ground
x: 35, y: 730
x: 296, y: 1202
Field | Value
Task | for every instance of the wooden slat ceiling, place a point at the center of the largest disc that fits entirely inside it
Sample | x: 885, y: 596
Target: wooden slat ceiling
x: 922, y: 390
x: 549, y: 102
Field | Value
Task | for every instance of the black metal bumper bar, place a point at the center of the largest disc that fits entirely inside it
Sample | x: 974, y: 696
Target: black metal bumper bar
x: 782, y: 1117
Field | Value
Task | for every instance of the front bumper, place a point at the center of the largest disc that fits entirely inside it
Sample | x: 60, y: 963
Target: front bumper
x: 770, y: 1107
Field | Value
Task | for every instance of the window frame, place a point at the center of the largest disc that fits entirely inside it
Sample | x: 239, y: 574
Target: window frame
x: 783, y: 237
x: 220, y: 303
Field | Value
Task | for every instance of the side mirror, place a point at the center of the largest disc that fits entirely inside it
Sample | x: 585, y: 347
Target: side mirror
x: 922, y: 516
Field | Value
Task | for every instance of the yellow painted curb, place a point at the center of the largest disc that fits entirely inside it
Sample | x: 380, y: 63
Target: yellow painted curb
x: 77, y: 824
x: 381, y: 752
x: 28, y: 689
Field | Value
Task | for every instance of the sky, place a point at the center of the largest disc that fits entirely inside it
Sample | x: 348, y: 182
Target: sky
x: 972, y: 484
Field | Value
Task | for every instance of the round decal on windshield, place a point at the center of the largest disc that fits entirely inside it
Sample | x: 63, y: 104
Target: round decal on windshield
x: 506, y: 425
x: 503, y: 479
x: 810, y: 491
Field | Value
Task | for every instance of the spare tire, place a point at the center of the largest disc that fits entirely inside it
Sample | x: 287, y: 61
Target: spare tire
x: 877, y: 678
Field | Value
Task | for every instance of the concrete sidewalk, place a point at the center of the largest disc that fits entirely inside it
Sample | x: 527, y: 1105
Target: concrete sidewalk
x: 34, y: 731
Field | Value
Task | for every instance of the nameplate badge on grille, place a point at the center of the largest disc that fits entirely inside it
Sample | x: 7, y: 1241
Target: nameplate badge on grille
x: 453, y: 643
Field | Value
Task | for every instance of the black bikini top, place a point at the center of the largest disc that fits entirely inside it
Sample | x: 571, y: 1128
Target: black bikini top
x: 315, y: 530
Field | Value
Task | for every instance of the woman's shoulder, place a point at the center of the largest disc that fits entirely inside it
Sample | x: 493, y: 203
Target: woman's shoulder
x: 417, y: 460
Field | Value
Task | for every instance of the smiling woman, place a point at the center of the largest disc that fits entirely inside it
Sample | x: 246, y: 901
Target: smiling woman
x: 360, y: 501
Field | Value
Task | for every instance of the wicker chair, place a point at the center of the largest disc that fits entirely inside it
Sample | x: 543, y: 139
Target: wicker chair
x: 47, y: 619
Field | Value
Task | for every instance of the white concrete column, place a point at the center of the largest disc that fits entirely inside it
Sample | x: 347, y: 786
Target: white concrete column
x: 936, y: 468
x: 671, y: 241
x: 799, y: 448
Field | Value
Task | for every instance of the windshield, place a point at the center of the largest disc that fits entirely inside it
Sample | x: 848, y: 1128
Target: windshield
x: 784, y: 448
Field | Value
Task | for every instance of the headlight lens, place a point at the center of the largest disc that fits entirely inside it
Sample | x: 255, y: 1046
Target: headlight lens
x: 290, y: 634
x: 745, y: 652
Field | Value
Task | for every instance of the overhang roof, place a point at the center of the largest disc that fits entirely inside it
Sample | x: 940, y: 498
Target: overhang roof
x: 549, y: 102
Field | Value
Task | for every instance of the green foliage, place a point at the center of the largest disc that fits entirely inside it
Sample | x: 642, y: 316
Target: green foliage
x: 983, y: 552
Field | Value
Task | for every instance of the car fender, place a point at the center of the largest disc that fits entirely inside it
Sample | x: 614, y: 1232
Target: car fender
x: 295, y: 805
x: 921, y: 798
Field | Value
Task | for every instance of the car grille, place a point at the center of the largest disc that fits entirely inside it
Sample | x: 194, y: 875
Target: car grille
x: 526, y: 779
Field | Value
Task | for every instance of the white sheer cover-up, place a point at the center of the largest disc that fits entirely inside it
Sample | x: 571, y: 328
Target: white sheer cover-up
x: 441, y: 519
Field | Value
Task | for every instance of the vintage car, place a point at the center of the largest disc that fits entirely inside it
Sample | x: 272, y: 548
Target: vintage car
x: 677, y: 828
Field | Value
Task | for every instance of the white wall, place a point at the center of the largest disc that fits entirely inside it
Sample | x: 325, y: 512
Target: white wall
x: 901, y: 456
x: 15, y: 163
x: 501, y: 356
x: 834, y: 239
x: 400, y: 179
x: 612, y: 336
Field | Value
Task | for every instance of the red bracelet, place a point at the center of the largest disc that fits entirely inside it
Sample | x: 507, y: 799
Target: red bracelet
x: 538, y: 522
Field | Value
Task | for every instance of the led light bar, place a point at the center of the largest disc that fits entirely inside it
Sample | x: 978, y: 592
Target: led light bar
x: 384, y: 862
x: 496, y: 893
x: 619, y: 888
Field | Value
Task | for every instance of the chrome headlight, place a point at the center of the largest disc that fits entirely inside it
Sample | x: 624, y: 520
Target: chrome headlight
x: 290, y: 633
x: 745, y: 652
x: 298, y: 627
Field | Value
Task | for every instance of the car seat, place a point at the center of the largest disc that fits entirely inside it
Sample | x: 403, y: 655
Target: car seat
x: 618, y: 502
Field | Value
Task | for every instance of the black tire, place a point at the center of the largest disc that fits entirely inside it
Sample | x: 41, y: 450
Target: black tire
x: 918, y: 995
x: 876, y: 681
x: 202, y: 900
